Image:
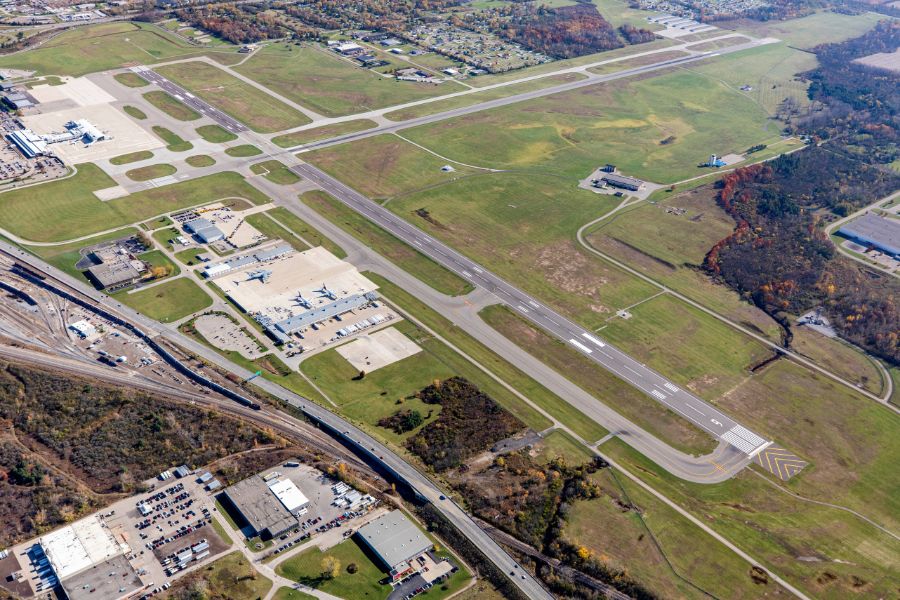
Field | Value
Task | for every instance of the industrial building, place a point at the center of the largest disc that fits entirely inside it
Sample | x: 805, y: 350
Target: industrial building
x: 270, y: 508
x: 878, y: 232
x: 75, y: 554
x: 205, y: 231
x: 396, y: 541
x: 115, y: 268
x: 620, y: 181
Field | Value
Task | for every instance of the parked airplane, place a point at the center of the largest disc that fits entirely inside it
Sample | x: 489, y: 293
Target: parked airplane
x: 324, y: 291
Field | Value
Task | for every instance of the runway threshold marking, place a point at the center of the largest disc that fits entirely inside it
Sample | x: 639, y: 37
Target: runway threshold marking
x: 779, y: 461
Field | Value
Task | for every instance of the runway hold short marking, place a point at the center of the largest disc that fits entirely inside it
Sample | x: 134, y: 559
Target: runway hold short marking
x: 780, y: 462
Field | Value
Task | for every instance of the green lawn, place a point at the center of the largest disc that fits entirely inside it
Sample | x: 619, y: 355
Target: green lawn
x: 437, y: 106
x: 64, y: 256
x: 276, y: 172
x: 157, y: 258
x: 243, y: 151
x: 306, y: 568
x: 819, y: 28
x: 621, y: 122
x: 200, y: 160
x: 559, y: 444
x: 171, y: 106
x: 319, y: 80
x: 173, y: 141
x: 286, y: 593
x: 134, y: 112
x: 305, y: 230
x: 387, y: 245
x: 130, y: 79
x: 167, y: 301
x: 124, y: 159
x: 321, y: 133
x: 231, y: 576
x: 215, y: 134
x: 619, y: 395
x: 107, y: 46
x: 273, y: 230
x: 258, y: 110
x: 67, y: 208
x: 687, y: 345
x: 151, y: 172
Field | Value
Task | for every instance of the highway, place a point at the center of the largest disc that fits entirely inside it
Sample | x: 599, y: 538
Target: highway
x: 692, y: 408
x: 363, y: 442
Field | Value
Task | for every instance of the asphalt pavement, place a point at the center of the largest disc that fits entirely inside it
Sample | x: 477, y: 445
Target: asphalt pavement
x: 697, y: 411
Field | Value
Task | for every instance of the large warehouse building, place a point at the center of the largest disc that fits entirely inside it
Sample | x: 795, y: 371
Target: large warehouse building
x: 875, y: 231
x: 396, y: 541
x: 270, y: 508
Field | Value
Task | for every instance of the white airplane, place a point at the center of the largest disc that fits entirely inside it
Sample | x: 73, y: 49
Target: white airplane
x: 324, y: 291
x: 304, y: 302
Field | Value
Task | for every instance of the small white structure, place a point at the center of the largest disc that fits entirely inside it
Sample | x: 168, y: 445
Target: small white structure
x: 289, y: 495
x: 348, y: 48
x: 79, y: 546
x: 83, y: 328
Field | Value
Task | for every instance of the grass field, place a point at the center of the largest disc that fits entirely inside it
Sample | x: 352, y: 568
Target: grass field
x: 392, y: 166
x: 132, y: 80
x: 306, y: 232
x: 387, y: 245
x: 173, y: 141
x: 273, y: 230
x: 507, y: 372
x: 437, y: 106
x: 600, y: 383
x: 151, y: 172
x: 559, y: 444
x: 667, y: 246
x: 276, y: 172
x: 827, y: 553
x: 243, y: 151
x: 168, y: 301
x: 286, y: 593
x: 306, y: 568
x: 109, y: 46
x: 67, y: 208
x: 200, y: 160
x: 321, y: 133
x: 664, y: 551
x: 215, y: 134
x: 687, y: 345
x: 256, y: 109
x: 331, y: 86
x: 232, y: 576
x: 134, y: 112
x: 839, y: 357
x: 620, y: 13
x: 124, y: 159
x: 171, y: 106
x: 621, y: 122
x: 819, y: 28
x: 157, y: 258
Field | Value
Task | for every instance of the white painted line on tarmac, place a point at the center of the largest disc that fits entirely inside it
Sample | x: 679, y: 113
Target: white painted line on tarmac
x: 580, y: 346
x: 658, y: 394
x: 593, y: 339
x: 671, y: 386
x: 759, y: 449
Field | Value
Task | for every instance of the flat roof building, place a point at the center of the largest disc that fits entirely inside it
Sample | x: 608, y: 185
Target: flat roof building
x: 395, y: 540
x: 269, y: 508
x: 205, y: 230
x: 114, y: 275
x: 622, y: 181
x: 28, y: 142
x: 872, y: 230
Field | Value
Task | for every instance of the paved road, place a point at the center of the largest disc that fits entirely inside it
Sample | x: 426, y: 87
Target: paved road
x: 592, y: 79
x: 185, y: 97
x: 695, y: 410
x: 363, y: 442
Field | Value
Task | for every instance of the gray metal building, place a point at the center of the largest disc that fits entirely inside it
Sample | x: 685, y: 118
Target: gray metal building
x: 394, y: 539
x: 872, y: 230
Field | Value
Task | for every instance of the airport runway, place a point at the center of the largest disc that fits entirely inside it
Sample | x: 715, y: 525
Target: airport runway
x: 695, y: 410
x: 185, y: 97
x: 592, y: 79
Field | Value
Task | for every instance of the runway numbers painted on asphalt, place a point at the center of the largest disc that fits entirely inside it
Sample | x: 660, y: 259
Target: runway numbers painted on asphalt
x: 780, y: 462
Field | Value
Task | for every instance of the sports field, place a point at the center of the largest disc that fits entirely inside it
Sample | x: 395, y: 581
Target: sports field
x: 167, y: 301
x: 66, y: 209
x: 329, y: 85
x: 253, y: 107
x: 106, y: 46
